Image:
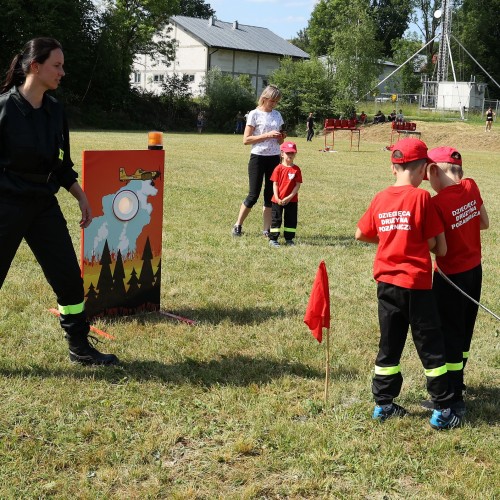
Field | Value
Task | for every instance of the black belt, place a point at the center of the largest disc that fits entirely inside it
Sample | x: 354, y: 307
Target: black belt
x: 38, y: 178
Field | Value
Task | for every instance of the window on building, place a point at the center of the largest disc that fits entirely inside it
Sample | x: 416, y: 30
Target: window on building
x: 189, y: 78
x: 137, y: 77
x: 158, y: 78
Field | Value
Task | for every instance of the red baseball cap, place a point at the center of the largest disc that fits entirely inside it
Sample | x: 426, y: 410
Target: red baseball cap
x: 289, y: 147
x: 445, y: 154
x: 409, y: 149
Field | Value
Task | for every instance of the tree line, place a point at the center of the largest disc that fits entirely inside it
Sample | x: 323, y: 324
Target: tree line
x: 346, y: 39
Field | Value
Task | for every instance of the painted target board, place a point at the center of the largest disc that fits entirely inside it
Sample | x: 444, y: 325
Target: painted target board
x: 121, y: 248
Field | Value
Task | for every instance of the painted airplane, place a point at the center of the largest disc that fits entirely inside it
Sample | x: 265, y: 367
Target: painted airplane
x: 139, y: 175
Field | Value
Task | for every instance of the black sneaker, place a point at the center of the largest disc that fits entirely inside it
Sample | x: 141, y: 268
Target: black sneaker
x: 236, y: 230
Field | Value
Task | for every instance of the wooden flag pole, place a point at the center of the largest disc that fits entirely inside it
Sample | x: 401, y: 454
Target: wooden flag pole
x: 327, y: 373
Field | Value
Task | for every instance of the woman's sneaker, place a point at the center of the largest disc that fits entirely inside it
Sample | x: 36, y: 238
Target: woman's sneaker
x: 383, y: 412
x: 444, y: 419
x: 236, y: 230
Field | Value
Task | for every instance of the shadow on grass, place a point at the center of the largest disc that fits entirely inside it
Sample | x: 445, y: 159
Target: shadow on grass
x: 324, y: 240
x: 235, y: 370
x: 211, y: 314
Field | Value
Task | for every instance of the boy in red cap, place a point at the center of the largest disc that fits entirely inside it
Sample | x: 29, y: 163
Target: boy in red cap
x: 403, y: 222
x: 461, y: 208
x: 286, y: 179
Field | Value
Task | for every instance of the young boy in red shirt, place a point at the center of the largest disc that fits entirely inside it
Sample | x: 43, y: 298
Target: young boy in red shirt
x: 286, y: 179
x: 461, y: 208
x: 403, y: 222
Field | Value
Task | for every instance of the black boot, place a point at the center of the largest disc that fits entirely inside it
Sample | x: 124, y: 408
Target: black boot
x: 80, y: 351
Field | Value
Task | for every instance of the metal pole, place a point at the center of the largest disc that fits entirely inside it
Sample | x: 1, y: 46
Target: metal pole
x: 398, y: 68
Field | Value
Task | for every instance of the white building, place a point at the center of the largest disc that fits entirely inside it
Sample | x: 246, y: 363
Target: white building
x: 203, y: 44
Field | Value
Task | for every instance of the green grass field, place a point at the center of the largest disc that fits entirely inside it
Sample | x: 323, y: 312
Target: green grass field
x: 233, y: 407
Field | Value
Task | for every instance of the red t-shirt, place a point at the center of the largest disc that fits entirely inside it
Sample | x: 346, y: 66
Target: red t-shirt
x: 459, y: 208
x: 404, y: 219
x: 287, y: 178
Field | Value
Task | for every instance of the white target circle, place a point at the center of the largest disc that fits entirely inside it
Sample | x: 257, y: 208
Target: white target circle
x: 125, y: 205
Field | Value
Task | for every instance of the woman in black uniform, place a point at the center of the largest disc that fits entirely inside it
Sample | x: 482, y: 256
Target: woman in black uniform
x: 34, y: 163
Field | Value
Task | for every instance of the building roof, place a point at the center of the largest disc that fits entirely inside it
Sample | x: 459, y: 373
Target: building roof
x: 236, y: 36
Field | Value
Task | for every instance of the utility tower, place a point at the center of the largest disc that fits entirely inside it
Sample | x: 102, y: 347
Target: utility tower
x: 443, y: 54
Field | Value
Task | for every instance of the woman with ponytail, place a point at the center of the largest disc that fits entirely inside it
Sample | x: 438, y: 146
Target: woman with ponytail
x: 34, y: 163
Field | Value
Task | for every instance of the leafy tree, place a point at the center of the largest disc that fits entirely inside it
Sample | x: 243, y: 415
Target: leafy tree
x: 427, y: 25
x: 391, y: 19
x: 407, y: 79
x: 129, y: 28
x: 306, y: 86
x: 195, y: 8
x: 301, y: 40
x: 223, y: 97
x: 323, y: 23
x: 479, y: 32
x: 72, y: 23
x: 355, y: 56
x: 176, y: 99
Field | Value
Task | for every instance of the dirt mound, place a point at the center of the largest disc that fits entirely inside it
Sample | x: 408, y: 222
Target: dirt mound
x: 458, y: 134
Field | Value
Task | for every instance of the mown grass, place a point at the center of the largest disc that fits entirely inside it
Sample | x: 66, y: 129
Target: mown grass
x: 233, y: 407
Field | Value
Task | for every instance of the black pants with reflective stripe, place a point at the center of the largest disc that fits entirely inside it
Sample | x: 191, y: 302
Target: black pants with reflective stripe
x: 290, y: 220
x: 458, y: 317
x: 398, y: 309
x: 41, y: 223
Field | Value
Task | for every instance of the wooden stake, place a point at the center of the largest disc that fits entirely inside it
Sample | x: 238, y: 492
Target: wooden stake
x: 327, y: 374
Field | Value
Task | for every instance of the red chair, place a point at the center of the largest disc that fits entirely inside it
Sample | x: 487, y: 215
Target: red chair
x: 344, y: 123
x: 329, y: 123
x: 413, y: 126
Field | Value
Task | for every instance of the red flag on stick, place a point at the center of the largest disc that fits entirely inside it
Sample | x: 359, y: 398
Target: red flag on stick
x: 317, y: 314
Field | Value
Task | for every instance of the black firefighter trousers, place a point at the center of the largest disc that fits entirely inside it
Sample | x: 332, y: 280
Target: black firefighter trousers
x: 398, y: 309
x: 40, y: 222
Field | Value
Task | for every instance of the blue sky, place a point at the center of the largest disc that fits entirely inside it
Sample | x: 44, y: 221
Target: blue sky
x: 283, y: 17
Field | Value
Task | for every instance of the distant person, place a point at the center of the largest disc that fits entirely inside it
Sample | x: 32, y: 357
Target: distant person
x: 264, y: 132
x: 402, y: 221
x: 362, y: 118
x: 287, y: 179
x: 400, y: 117
x: 392, y: 116
x: 200, y: 121
x: 379, y: 117
x: 240, y: 123
x: 490, y: 114
x: 461, y: 208
x: 310, y: 127
x: 35, y: 163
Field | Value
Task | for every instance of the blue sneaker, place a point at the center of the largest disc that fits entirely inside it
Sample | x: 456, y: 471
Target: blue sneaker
x: 384, y: 412
x: 444, y: 419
